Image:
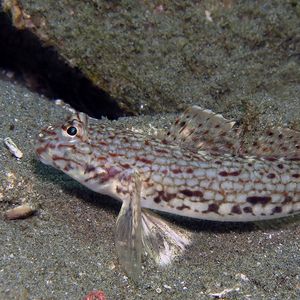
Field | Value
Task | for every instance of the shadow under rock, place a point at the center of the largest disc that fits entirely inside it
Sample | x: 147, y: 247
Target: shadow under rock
x: 45, y: 71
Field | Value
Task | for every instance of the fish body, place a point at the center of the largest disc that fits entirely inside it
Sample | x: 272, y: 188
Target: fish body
x: 199, y: 169
x: 202, y: 185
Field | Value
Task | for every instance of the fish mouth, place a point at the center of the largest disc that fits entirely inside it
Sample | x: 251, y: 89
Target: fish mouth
x: 42, y: 153
x: 45, y: 160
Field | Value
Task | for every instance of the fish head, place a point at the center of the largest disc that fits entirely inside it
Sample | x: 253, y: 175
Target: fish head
x: 67, y: 147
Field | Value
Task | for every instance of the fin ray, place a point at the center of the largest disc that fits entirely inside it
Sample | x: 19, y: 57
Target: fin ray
x: 162, y: 241
x: 276, y: 142
x: 202, y: 129
x: 128, y: 230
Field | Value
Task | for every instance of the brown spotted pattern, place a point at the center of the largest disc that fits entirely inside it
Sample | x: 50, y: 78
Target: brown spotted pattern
x: 202, y: 184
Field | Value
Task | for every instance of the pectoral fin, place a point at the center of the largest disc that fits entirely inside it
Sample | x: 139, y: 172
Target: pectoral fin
x: 162, y: 240
x: 136, y: 227
x: 128, y: 229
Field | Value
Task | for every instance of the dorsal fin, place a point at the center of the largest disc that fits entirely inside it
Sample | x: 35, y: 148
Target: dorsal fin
x: 276, y: 142
x: 202, y: 129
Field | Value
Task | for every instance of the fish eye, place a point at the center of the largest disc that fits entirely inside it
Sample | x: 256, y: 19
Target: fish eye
x: 72, y: 130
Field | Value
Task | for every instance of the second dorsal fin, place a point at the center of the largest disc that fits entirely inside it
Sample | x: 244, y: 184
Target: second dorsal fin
x: 276, y: 142
x: 202, y: 129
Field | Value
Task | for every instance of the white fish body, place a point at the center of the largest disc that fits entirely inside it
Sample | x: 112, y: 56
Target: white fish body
x: 200, y: 169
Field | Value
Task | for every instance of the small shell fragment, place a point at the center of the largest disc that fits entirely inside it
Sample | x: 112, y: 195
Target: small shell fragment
x: 20, y: 212
x: 59, y: 102
x: 12, y: 147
